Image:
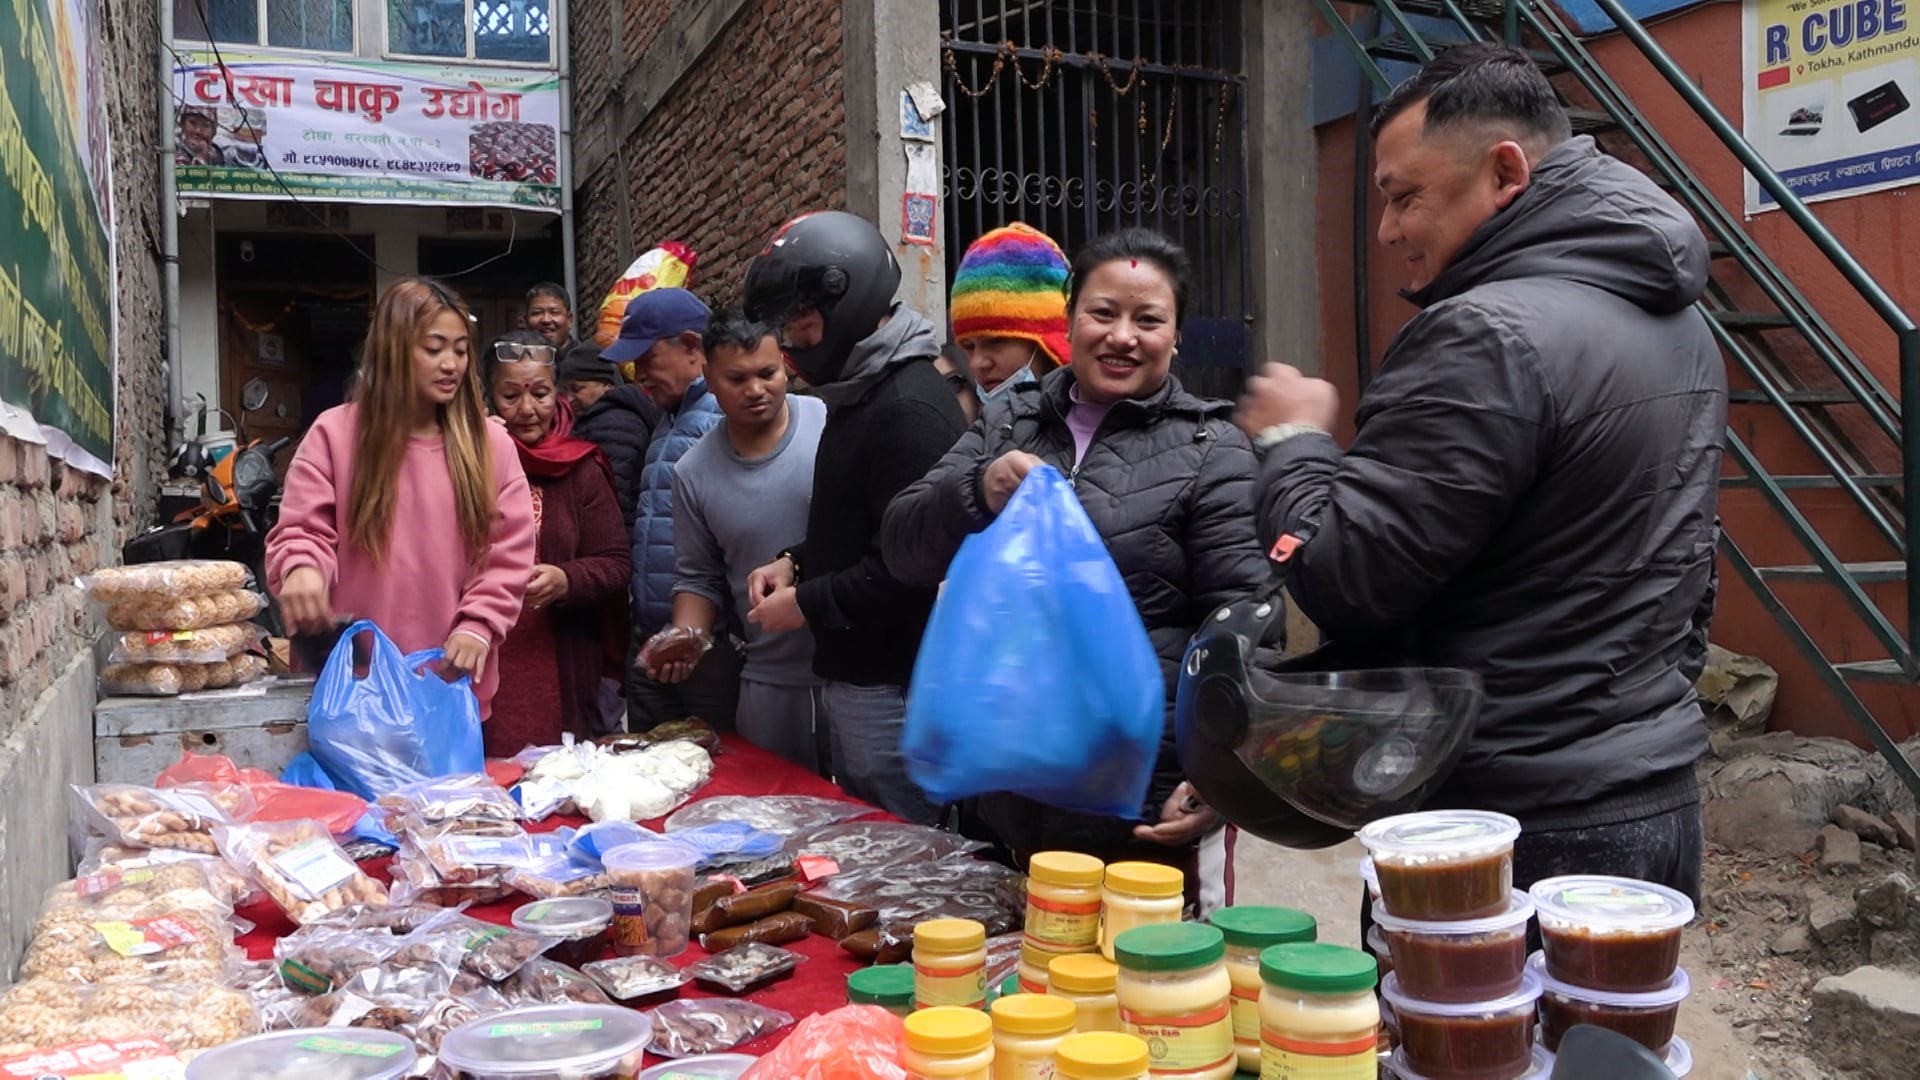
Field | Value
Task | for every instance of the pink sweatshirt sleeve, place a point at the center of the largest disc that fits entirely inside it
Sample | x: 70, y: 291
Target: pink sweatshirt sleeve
x: 307, y: 533
x: 490, y: 604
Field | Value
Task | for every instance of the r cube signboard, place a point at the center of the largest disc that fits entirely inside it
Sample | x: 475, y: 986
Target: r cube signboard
x: 1829, y: 92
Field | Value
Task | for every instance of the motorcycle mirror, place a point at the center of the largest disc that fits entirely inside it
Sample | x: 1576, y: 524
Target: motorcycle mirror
x: 1591, y: 1053
x: 253, y: 395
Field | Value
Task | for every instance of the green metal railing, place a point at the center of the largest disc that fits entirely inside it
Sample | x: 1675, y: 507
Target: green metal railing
x: 1534, y: 23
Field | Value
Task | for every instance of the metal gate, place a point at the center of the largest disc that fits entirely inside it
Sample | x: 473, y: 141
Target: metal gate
x: 1083, y: 116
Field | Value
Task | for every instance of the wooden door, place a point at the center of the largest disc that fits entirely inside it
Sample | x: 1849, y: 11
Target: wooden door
x: 264, y: 337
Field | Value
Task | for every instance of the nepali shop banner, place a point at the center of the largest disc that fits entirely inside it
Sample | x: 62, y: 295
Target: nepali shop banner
x: 57, y: 294
x: 266, y: 127
x: 1830, y: 88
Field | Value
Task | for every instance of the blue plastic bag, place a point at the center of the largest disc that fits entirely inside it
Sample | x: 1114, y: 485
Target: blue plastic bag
x: 1036, y: 676
x: 398, y: 725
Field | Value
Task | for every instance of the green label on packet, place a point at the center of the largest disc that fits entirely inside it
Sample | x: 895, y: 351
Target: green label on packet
x: 327, y: 1045
x: 553, y: 1027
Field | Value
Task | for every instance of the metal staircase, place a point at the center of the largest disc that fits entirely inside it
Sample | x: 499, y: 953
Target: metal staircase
x: 1791, y: 373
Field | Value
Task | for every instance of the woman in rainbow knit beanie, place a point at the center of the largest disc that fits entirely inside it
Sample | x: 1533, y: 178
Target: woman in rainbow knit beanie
x: 1009, y: 308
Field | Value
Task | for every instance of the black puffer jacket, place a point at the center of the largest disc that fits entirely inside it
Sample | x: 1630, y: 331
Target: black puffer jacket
x: 621, y: 424
x: 1166, y: 481
x: 1531, y: 493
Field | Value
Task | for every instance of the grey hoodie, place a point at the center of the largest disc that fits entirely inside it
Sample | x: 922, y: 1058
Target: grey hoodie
x: 906, y: 335
x: 1531, y: 495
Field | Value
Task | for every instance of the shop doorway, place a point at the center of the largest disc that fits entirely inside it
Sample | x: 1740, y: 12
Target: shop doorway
x: 293, y: 315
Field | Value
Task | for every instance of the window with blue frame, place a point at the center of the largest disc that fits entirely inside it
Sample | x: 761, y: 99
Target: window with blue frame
x: 515, y: 31
x: 314, y: 25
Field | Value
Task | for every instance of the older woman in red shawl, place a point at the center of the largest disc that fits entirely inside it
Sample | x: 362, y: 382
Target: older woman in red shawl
x: 551, y: 662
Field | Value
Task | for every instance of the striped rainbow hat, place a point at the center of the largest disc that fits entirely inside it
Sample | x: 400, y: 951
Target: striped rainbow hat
x: 1012, y: 283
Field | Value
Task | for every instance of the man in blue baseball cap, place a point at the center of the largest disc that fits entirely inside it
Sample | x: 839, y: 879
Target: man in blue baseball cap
x: 661, y: 334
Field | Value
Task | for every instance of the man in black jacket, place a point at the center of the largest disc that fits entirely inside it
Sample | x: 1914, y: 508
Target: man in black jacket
x: 828, y: 280
x: 609, y: 413
x: 1531, y: 490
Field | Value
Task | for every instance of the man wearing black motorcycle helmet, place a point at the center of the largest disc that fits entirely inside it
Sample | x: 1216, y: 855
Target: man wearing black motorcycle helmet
x: 827, y: 281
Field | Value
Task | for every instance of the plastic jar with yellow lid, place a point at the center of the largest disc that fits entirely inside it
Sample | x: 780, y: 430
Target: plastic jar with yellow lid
x: 1104, y: 1055
x: 1063, y: 901
x: 1174, y: 994
x: 950, y: 963
x: 949, y: 1043
x: 1027, y: 1029
x: 1034, y: 962
x: 1139, y: 894
x: 1090, y: 983
x: 1250, y: 930
x: 1318, y: 1014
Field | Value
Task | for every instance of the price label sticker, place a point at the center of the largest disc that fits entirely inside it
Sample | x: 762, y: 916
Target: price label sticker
x: 315, y: 866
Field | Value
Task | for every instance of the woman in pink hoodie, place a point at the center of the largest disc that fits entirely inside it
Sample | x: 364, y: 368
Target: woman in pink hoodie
x: 406, y: 506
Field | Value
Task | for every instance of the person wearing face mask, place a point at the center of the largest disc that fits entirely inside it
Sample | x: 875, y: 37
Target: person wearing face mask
x: 1166, y: 478
x: 1009, y: 309
x: 552, y: 659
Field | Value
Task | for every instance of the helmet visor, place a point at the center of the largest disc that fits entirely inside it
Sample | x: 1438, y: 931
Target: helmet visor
x: 1348, y: 747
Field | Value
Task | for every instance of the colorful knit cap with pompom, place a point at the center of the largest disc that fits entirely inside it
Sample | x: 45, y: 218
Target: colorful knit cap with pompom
x: 1012, y: 283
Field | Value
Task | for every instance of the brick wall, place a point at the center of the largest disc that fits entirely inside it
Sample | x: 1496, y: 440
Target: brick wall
x: 57, y: 522
x: 751, y: 137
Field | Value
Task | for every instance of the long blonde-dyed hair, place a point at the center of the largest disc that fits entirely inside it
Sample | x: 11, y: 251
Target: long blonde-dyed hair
x: 386, y: 399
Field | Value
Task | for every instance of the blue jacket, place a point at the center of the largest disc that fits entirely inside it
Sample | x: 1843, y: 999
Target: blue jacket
x: 653, y: 520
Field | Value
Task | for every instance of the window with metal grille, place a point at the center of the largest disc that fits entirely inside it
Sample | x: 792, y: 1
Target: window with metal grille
x: 515, y: 31
x: 1080, y: 117
x: 313, y: 25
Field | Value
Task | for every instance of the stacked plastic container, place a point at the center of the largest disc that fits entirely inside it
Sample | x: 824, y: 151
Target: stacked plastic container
x: 1611, y: 958
x: 1460, y: 1000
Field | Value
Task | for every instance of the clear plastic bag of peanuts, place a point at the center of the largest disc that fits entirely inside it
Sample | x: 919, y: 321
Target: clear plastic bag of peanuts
x: 174, y: 580
x: 300, y: 867
x: 141, y: 893
x: 182, y: 818
x: 186, y: 612
x: 208, y: 646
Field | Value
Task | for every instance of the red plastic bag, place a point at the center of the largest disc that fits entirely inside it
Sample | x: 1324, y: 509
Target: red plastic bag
x: 195, y: 768
x: 853, y: 1042
x: 339, y: 811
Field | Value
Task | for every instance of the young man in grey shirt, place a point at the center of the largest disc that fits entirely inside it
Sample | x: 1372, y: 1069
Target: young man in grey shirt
x: 739, y: 495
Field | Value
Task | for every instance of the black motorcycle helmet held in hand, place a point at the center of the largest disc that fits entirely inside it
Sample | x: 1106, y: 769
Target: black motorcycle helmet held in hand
x: 831, y: 262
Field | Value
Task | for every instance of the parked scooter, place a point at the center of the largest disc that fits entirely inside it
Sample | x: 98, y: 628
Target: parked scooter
x: 239, y: 504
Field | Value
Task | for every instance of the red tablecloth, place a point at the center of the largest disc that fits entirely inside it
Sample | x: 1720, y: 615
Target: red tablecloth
x: 820, y: 984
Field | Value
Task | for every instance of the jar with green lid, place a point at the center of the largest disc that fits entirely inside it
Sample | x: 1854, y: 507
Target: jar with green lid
x: 1027, y: 1029
x: 1102, y: 1055
x: 1318, y: 1013
x: 948, y: 1042
x: 1250, y: 930
x: 889, y: 986
x: 1174, y: 994
x: 1063, y: 901
x: 1092, y: 984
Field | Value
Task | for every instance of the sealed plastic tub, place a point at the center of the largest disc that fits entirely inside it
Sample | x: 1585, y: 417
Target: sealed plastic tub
x: 1611, y: 933
x: 1443, y: 864
x: 581, y: 924
x: 1467, y: 960
x: 1647, y: 1019
x: 337, y: 1053
x: 652, y: 886
x: 1485, y: 1040
x: 577, y: 1042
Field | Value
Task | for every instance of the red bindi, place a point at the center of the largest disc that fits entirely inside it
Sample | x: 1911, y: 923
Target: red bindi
x: 1135, y: 263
